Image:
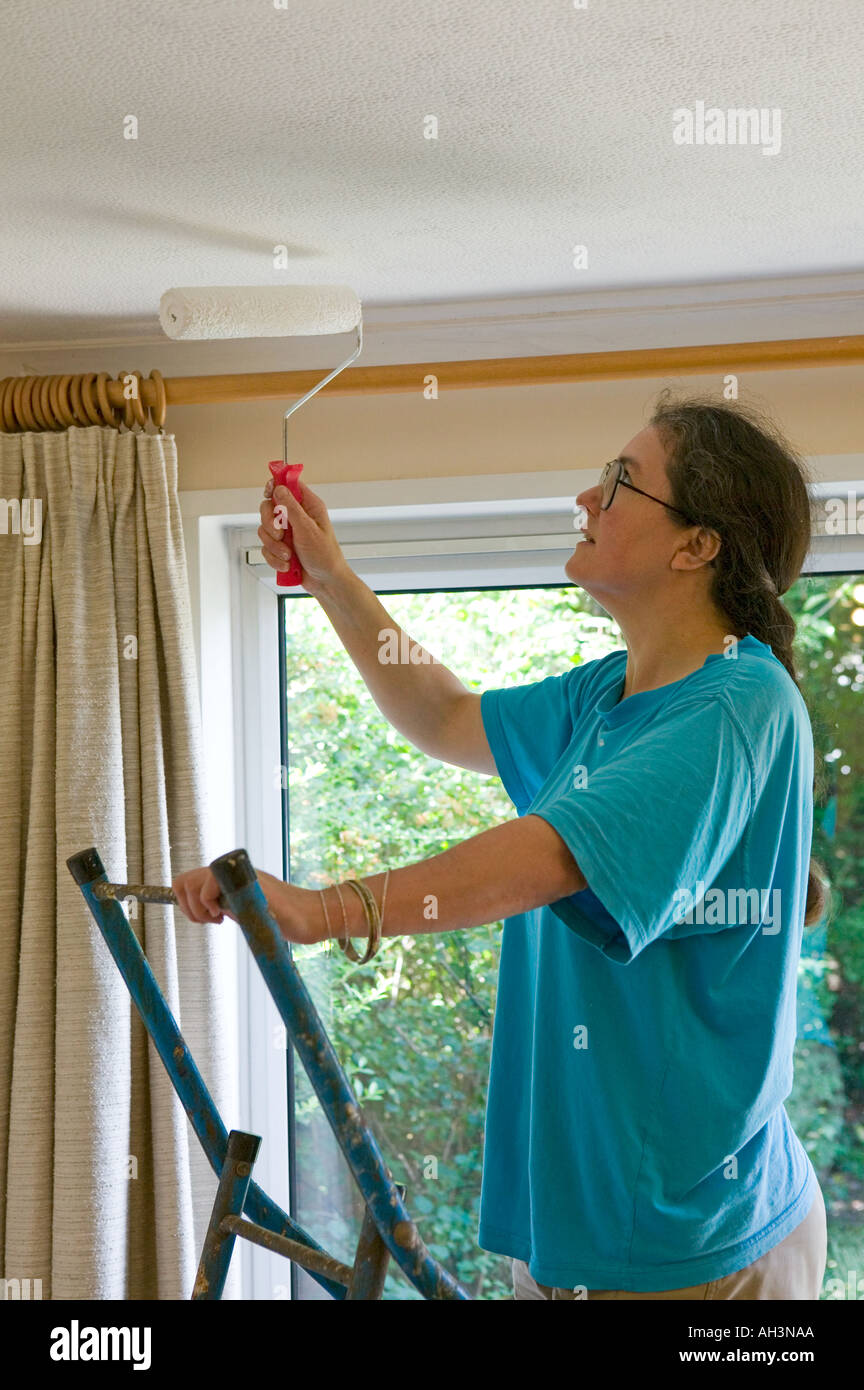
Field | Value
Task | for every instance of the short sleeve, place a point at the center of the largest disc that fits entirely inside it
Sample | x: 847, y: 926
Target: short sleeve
x: 528, y: 728
x: 665, y: 814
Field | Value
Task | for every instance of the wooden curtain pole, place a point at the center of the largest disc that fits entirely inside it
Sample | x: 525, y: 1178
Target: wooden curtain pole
x: 526, y: 371
x: 38, y: 403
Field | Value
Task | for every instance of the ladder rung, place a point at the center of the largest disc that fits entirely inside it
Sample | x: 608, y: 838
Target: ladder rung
x: 318, y: 1260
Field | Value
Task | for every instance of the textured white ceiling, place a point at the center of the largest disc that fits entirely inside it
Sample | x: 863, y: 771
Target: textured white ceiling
x: 304, y: 126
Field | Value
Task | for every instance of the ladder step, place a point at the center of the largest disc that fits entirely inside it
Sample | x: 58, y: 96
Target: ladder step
x: 318, y: 1260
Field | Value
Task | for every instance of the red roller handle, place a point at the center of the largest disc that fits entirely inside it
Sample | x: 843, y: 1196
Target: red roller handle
x: 287, y: 475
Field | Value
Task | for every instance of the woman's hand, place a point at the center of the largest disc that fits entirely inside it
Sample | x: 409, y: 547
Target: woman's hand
x: 297, y: 911
x: 314, y: 540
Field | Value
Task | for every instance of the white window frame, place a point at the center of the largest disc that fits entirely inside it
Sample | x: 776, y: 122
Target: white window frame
x: 455, y: 532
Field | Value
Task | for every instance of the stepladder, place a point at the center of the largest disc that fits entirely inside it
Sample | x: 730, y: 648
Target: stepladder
x: 241, y: 1209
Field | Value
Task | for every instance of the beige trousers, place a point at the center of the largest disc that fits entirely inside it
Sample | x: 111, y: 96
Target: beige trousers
x: 794, y: 1269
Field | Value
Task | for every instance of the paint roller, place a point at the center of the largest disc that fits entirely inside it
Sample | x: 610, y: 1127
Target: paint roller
x: 267, y: 311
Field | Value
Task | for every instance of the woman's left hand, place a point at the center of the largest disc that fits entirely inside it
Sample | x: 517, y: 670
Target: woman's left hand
x: 297, y: 911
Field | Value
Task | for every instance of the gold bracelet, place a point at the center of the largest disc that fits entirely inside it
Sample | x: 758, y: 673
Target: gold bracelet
x: 346, y: 940
x: 384, y: 897
x: 372, y: 919
x: 378, y: 917
x: 326, y: 919
x: 370, y: 908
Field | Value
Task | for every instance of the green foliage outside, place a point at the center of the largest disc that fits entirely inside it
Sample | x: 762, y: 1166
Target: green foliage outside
x: 413, y: 1028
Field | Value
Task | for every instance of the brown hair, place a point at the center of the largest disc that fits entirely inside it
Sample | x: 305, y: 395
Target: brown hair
x: 732, y: 471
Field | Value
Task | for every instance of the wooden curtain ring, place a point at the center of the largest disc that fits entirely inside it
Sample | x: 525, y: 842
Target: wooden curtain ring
x: 88, y: 413
x: 49, y: 402
x: 82, y: 396
x: 39, y: 407
x: 138, y: 406
x: 40, y: 404
x: 22, y: 403
x: 67, y: 400
x: 12, y: 403
x: 158, y: 409
x: 128, y: 417
x: 75, y: 403
x: 6, y: 417
x: 60, y: 401
x: 138, y: 412
x: 110, y: 415
x: 26, y: 419
x: 35, y: 402
x: 43, y: 391
x: 54, y: 401
x: 10, y: 417
x: 126, y: 407
x: 88, y: 397
x: 78, y: 402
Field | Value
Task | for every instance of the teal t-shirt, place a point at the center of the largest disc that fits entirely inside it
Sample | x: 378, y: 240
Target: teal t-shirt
x: 636, y: 1136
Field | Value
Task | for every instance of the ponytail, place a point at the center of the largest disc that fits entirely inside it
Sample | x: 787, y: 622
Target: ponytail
x: 730, y: 467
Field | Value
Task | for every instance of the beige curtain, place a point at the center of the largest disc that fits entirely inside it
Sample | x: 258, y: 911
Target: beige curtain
x: 105, y: 1192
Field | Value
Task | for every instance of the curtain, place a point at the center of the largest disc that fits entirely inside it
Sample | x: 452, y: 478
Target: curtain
x: 105, y: 1192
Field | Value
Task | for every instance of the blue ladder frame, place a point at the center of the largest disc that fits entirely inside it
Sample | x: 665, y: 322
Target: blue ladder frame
x: 387, y: 1228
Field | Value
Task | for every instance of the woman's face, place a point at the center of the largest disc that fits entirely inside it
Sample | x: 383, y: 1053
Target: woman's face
x: 629, y: 545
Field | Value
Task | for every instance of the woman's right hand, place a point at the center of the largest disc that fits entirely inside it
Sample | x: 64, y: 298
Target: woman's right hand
x: 314, y: 540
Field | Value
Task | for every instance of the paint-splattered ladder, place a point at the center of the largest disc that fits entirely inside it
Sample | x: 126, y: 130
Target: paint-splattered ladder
x: 240, y: 1207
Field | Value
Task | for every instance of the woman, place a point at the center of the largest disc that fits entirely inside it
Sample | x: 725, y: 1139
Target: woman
x: 655, y: 881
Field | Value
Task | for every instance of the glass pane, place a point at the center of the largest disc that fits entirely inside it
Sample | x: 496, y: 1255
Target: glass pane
x: 826, y: 1105
x: 413, y: 1027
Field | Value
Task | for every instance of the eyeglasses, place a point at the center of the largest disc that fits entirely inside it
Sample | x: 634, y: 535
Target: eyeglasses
x: 612, y: 477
